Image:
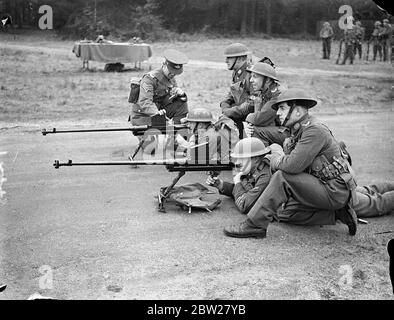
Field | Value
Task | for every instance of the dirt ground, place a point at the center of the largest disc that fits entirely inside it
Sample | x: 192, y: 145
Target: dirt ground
x: 97, y: 229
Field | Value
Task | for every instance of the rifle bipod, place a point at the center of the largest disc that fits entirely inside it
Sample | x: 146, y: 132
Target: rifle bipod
x: 165, y: 191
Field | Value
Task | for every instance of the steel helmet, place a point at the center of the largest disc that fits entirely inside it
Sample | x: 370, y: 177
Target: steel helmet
x: 249, y: 147
x: 264, y: 69
x: 236, y: 50
x: 377, y: 23
x: 302, y: 97
x: 199, y: 115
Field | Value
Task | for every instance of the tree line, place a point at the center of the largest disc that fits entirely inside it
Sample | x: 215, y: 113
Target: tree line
x: 155, y: 19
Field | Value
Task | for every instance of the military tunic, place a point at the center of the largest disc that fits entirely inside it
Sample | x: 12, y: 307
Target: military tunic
x: 264, y: 119
x: 246, y: 192
x: 296, y: 192
x: 221, y: 136
x: 236, y: 105
x: 155, y: 93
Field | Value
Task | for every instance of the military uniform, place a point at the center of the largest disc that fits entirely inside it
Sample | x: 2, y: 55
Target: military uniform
x: 375, y: 200
x: 360, y: 34
x: 376, y: 42
x: 326, y: 34
x: 221, y: 136
x: 386, y: 35
x: 236, y: 105
x: 264, y: 119
x: 252, y: 185
x: 297, y: 189
x: 155, y: 93
x: 349, y: 41
x: 158, y: 91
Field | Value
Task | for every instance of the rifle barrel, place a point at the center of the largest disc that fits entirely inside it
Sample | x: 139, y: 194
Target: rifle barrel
x: 70, y: 163
x: 134, y: 129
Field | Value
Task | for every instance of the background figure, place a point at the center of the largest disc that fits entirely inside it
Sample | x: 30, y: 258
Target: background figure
x: 386, y: 35
x: 326, y: 34
x: 376, y: 40
x: 349, y: 40
x: 360, y: 34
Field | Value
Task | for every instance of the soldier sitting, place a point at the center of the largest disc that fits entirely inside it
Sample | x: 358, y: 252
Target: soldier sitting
x: 232, y: 106
x: 158, y: 92
x: 252, y: 177
x: 221, y: 135
x: 262, y: 122
x: 298, y: 189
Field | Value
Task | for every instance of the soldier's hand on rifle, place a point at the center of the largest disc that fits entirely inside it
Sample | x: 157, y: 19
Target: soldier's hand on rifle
x: 214, y: 182
x: 249, y: 129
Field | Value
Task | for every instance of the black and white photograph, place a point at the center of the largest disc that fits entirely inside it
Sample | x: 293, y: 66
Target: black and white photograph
x: 210, y: 151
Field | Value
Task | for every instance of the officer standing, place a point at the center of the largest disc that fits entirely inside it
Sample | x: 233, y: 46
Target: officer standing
x: 326, y: 34
x: 252, y: 177
x: 232, y: 106
x: 360, y: 34
x: 377, y: 41
x: 262, y: 122
x: 298, y: 188
x: 159, y: 93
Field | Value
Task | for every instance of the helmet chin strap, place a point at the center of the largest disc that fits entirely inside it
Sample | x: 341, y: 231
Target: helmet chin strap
x: 289, y: 114
x: 235, y: 61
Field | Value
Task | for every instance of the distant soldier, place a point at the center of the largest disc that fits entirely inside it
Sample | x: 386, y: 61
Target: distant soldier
x: 262, y: 122
x: 349, y: 41
x: 377, y: 41
x: 360, y: 34
x: 232, y: 106
x: 159, y: 93
x: 386, y: 36
x: 326, y: 34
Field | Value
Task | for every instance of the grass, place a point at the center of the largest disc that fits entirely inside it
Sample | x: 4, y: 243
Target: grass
x: 44, y: 79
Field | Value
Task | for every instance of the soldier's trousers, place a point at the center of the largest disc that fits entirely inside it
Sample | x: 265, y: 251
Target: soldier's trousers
x: 349, y: 53
x: 377, y: 48
x: 326, y: 48
x: 358, y: 47
x: 299, y: 199
x: 270, y: 135
x: 175, y: 110
x: 375, y: 200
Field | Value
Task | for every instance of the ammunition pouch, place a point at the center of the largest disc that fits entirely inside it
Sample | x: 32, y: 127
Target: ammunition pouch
x: 322, y: 169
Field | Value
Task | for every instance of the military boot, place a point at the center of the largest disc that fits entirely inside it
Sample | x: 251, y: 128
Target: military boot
x: 348, y: 216
x: 245, y: 230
